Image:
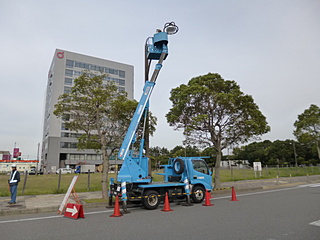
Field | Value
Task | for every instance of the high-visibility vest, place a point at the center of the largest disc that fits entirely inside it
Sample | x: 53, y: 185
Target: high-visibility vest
x: 12, y: 180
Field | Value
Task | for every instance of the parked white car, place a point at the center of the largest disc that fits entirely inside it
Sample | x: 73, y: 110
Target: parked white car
x: 64, y: 170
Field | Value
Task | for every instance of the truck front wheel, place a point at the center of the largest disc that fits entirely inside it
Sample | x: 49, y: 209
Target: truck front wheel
x: 151, y: 199
x: 198, y: 194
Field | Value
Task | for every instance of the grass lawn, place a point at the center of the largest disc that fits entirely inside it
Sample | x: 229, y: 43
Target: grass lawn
x: 48, y: 184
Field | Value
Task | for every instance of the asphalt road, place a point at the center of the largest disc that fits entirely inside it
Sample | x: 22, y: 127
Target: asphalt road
x: 291, y: 213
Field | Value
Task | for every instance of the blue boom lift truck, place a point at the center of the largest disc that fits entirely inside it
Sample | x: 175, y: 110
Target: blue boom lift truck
x: 184, y: 177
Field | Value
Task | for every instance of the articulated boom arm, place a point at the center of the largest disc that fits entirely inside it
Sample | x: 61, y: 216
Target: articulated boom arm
x: 147, y: 90
x: 136, y: 169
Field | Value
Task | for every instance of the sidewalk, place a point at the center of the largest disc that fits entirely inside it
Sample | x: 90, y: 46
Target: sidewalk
x: 52, y: 202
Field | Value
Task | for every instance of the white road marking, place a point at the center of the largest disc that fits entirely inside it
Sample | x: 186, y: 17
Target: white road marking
x: 49, y: 217
x: 310, y: 185
x: 106, y: 211
x: 316, y: 223
x: 315, y: 185
x: 256, y: 193
x: 30, y: 219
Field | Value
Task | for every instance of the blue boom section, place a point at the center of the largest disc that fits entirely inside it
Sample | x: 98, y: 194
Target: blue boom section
x: 135, y: 169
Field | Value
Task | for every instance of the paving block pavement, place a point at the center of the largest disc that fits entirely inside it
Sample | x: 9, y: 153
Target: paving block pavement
x: 52, y: 202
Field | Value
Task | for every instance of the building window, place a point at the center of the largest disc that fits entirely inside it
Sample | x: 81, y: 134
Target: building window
x: 75, y: 135
x: 64, y: 134
x: 96, y: 68
x: 93, y: 157
x: 69, y: 73
x: 63, y: 126
x: 75, y: 157
x: 73, y: 145
x: 78, y: 157
x: 64, y: 145
x: 77, y: 73
x: 122, y: 74
x: 69, y: 63
x: 67, y: 89
x: 82, y: 65
x: 68, y: 81
x: 77, y: 64
x: 122, y: 82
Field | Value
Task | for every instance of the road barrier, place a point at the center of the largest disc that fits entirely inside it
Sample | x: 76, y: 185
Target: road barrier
x: 166, y: 207
x: 116, y: 212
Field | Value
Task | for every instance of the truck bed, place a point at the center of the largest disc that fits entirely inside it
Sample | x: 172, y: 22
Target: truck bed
x: 161, y: 184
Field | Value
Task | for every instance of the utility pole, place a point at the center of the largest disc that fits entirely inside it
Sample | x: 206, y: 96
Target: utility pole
x: 295, y: 154
x: 37, y: 159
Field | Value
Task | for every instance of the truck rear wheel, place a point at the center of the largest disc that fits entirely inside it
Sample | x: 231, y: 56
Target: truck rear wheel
x: 151, y: 199
x: 198, y: 194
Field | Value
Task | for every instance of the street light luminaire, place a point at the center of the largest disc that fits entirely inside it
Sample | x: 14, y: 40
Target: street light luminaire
x: 170, y: 28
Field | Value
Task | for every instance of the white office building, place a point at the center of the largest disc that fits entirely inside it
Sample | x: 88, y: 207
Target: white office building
x: 59, y: 145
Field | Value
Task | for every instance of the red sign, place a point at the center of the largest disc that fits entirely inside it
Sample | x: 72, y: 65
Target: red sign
x: 60, y: 54
x: 6, y: 157
x: 74, y: 211
x: 16, y: 152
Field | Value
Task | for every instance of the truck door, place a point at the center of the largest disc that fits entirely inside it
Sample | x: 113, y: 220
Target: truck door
x: 201, y: 173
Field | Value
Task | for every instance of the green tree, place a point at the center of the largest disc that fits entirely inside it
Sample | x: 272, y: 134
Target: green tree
x: 158, y: 156
x: 173, y: 152
x: 307, y: 127
x: 209, y: 152
x: 274, y: 153
x: 100, y: 113
x: 254, y: 152
x: 185, y: 151
x: 214, y: 112
x: 282, y: 152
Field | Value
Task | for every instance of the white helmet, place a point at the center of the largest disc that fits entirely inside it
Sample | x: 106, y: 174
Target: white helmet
x: 14, y: 166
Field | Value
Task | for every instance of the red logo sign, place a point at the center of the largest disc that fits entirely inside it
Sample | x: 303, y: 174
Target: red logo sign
x: 16, y: 152
x: 60, y: 54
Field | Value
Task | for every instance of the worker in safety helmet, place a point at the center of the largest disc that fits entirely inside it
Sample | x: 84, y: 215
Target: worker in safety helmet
x: 13, y: 183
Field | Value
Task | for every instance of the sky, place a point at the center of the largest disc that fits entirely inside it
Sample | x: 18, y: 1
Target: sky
x: 271, y: 48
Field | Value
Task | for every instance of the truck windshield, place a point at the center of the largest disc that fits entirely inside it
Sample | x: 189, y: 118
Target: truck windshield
x: 200, y: 166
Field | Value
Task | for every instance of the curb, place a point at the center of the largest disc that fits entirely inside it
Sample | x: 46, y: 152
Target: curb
x: 244, y: 190
x: 28, y: 211
x: 239, y: 190
x: 285, y: 185
x: 53, y: 209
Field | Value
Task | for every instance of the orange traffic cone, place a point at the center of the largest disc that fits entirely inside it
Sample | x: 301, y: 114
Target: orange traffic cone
x: 207, y: 201
x: 234, y: 197
x: 116, y: 212
x: 166, y: 207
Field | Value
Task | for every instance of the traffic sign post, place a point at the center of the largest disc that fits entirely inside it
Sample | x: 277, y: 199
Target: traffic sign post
x: 66, y: 197
x: 257, y: 168
x: 74, y: 211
